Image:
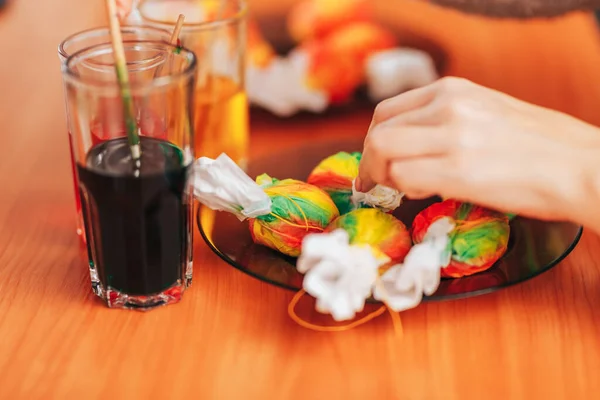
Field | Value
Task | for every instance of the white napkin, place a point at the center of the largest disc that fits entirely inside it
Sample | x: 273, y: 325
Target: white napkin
x: 402, y: 286
x: 223, y: 186
x: 381, y: 197
x: 394, y: 71
x: 281, y: 89
x: 339, y: 276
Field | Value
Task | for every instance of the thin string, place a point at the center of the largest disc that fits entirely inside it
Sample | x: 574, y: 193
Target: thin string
x: 396, y: 321
x: 265, y: 226
x: 307, y: 227
x: 320, y: 328
x: 296, y: 225
x: 395, y: 317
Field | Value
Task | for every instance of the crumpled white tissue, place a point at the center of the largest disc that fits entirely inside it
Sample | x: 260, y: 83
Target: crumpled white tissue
x: 391, y: 72
x: 339, y: 276
x: 281, y: 86
x: 403, y: 285
x: 381, y: 197
x: 222, y: 185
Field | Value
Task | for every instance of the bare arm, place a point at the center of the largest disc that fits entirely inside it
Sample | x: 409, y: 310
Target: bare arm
x: 520, y: 8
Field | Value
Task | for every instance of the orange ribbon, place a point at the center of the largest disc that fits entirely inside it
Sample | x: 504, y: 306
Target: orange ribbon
x: 396, y: 322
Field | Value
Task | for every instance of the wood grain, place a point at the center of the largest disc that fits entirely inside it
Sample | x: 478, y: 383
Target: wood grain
x: 231, y: 338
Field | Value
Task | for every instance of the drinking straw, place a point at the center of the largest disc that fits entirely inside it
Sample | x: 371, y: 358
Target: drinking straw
x: 173, y: 40
x: 123, y: 80
x: 177, y: 29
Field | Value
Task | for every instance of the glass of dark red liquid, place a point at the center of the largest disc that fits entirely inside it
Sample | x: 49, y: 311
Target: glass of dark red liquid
x: 83, y: 40
x: 137, y: 216
x: 73, y: 44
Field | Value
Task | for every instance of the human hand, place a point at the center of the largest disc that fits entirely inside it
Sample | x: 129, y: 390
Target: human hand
x: 459, y: 140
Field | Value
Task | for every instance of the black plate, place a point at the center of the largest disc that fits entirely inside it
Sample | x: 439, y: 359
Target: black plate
x: 534, y: 246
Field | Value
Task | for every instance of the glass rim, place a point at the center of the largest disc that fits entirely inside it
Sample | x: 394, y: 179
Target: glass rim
x: 98, y: 31
x: 200, y: 26
x: 73, y: 77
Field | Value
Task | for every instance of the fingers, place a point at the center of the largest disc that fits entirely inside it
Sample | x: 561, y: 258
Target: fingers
x: 394, y: 133
x: 415, y: 107
x: 421, y: 177
x: 388, y: 143
x: 363, y: 182
x: 405, y: 102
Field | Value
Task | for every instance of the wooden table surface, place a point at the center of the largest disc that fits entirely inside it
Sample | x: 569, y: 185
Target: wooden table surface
x: 231, y: 337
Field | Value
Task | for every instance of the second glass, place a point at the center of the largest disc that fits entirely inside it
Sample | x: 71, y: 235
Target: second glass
x: 215, y: 30
x: 137, y: 216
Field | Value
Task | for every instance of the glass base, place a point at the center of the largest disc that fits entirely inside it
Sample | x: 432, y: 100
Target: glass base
x: 95, y: 282
x: 189, y: 270
x: 115, y: 299
x: 84, y: 259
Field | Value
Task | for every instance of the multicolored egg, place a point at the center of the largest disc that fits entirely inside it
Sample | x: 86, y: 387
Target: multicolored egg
x: 336, y: 63
x: 309, y: 19
x: 335, y: 175
x: 297, y: 209
x: 479, y: 239
x: 383, y: 232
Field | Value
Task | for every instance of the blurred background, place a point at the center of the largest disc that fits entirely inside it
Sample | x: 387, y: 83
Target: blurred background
x: 550, y: 62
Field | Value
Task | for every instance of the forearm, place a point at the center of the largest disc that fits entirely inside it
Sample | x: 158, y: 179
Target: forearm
x: 520, y: 8
x: 580, y: 187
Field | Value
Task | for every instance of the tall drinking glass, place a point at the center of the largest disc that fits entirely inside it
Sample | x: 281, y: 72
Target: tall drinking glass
x: 137, y: 217
x: 88, y: 38
x: 215, y: 30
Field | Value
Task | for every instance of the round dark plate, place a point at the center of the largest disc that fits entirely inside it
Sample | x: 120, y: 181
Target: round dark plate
x: 534, y: 246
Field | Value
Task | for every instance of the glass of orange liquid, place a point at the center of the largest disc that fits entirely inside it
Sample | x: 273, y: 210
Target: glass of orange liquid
x: 215, y: 30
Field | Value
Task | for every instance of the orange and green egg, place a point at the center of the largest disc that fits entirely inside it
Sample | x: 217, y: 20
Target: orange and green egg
x: 335, y: 175
x: 297, y: 209
x: 479, y: 239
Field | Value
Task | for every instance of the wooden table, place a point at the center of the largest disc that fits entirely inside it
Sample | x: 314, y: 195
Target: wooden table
x: 231, y: 337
